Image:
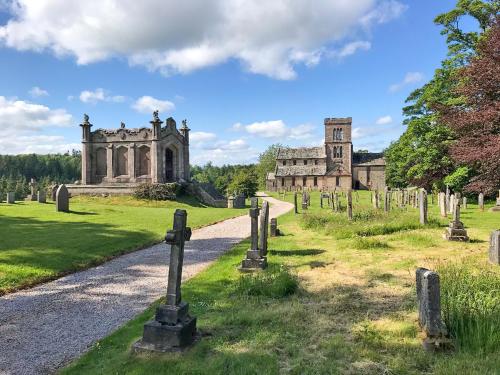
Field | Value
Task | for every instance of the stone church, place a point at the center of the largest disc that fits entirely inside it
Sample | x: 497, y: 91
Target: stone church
x: 123, y: 157
x: 332, y: 166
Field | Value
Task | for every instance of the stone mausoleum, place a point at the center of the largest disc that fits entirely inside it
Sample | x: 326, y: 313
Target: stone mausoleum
x: 332, y: 166
x: 116, y: 160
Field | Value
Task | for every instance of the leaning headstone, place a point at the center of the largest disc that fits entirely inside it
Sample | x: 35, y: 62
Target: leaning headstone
x: 349, y: 205
x: 494, y: 253
x: 423, y: 207
x: 295, y: 204
x: 264, y: 225
x: 41, y: 196
x: 480, y: 201
x: 62, y: 199
x: 11, y: 197
x: 429, y: 309
x: 53, y: 191
x: 254, y: 259
x: 173, y: 329
x: 274, y: 231
x: 456, y: 230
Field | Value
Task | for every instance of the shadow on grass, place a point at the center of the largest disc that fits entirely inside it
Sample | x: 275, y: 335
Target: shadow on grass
x: 296, y: 252
x: 83, y: 213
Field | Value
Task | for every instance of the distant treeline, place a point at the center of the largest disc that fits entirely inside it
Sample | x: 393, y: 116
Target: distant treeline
x: 17, y: 170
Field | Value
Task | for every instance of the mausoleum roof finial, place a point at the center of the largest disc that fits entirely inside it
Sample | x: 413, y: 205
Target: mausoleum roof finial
x: 156, y: 117
x: 85, y: 119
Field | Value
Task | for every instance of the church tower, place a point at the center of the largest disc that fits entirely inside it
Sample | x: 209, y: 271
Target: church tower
x: 338, y: 145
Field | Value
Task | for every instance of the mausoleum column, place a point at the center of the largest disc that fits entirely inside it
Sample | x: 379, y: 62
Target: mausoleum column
x: 155, y: 157
x: 131, y: 162
x: 86, y: 150
x: 109, y: 162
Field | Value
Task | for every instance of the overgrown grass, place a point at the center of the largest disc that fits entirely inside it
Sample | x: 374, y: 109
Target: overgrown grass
x: 471, y: 306
x: 39, y: 244
x: 276, y: 282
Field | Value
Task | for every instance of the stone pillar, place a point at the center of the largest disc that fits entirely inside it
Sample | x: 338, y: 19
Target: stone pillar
x: 173, y: 329
x: 86, y: 151
x: 264, y: 225
x: 349, y: 205
x: 423, y: 207
x: 110, y: 163
x: 494, y: 253
x: 156, y: 159
x: 429, y: 308
x: 131, y: 162
x: 480, y: 201
x: 274, y: 227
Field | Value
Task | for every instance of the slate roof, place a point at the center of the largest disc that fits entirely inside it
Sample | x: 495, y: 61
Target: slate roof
x: 368, y: 158
x: 301, y: 153
x: 300, y: 170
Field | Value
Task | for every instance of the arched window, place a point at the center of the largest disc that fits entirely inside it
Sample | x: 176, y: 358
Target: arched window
x: 341, y: 134
x: 144, y: 159
x: 340, y: 151
x: 334, y: 151
x: 121, y: 161
x: 101, y: 162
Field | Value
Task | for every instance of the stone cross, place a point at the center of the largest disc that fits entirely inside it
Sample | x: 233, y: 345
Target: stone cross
x: 456, y: 230
x: 33, y: 187
x: 264, y: 225
x: 11, y: 197
x: 254, y: 258
x: 423, y: 207
x: 429, y: 307
x: 349, y: 205
x: 480, y: 201
x: 295, y: 204
x: 41, y: 196
x: 62, y: 199
x: 173, y: 328
x: 254, y: 223
x: 274, y: 227
x: 494, y: 253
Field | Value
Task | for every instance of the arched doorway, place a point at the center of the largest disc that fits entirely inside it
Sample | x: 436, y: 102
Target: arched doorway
x: 169, y: 165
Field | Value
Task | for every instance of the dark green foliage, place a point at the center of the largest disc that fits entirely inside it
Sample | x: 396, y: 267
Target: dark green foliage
x: 243, y: 183
x: 273, y: 283
x: 157, y: 192
x: 471, y: 307
x: 220, y: 177
x: 267, y: 163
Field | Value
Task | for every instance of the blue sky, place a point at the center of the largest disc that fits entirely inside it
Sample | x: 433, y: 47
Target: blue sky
x: 244, y: 74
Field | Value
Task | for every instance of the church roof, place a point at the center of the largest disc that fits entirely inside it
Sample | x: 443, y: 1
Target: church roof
x: 368, y: 158
x: 300, y: 170
x: 301, y: 153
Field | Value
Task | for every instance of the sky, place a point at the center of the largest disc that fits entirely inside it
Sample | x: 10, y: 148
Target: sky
x: 244, y: 73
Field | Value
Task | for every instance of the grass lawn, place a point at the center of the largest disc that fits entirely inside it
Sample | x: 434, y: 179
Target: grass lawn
x: 38, y: 244
x: 354, y: 311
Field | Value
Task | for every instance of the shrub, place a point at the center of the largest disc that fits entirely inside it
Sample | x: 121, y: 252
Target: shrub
x: 158, y: 192
x: 274, y: 283
x: 471, y: 306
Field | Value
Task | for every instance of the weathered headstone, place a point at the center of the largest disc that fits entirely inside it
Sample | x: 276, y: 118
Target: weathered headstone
x: 464, y: 203
x: 264, y: 225
x: 53, y: 191
x: 254, y: 258
x: 173, y: 329
x: 305, y: 205
x: 496, y: 207
x: 429, y: 309
x: 41, y: 196
x: 452, y: 203
x: 480, y: 201
x: 456, y: 230
x: 295, y: 204
x: 423, y: 207
x: 11, y: 197
x: 442, y: 204
x: 274, y: 231
x: 447, y: 196
x: 494, y: 253
x: 336, y: 202
x: 387, y: 201
x: 230, y: 201
x: 62, y: 199
x: 349, y: 205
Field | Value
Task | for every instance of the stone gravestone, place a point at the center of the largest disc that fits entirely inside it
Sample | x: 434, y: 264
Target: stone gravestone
x: 173, y: 329
x: 254, y: 259
x: 429, y: 309
x: 41, y: 196
x: 264, y: 225
x: 442, y: 204
x: 230, y: 201
x: 456, y: 230
x: 349, y: 205
x: 387, y: 201
x: 295, y: 204
x: 304, y: 201
x: 62, y: 199
x: 451, y: 205
x: 336, y: 202
x: 11, y: 197
x: 53, y: 191
x: 423, y: 207
x: 494, y: 253
x: 447, y: 196
x: 32, y: 196
x: 480, y: 201
x: 497, y: 205
x: 464, y: 202
x: 274, y: 231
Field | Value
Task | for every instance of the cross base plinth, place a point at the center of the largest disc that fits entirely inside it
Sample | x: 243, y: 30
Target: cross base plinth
x: 163, y: 338
x: 253, y: 261
x: 456, y: 232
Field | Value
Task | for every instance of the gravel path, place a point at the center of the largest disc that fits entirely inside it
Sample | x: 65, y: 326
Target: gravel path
x: 43, y: 328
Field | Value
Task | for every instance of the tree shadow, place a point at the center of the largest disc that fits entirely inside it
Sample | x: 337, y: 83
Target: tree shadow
x: 305, y: 252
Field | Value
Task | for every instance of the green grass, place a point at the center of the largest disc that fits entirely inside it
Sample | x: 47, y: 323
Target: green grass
x: 39, y: 244
x: 352, y: 312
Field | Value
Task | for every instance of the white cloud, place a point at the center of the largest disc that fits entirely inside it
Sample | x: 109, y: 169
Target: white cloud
x: 357, y: 133
x: 148, y: 104
x: 276, y: 129
x: 267, y: 37
x: 304, y: 131
x: 36, y: 92
x: 409, y: 79
x: 200, y: 137
x: 21, y: 123
x: 99, y: 95
x: 384, y: 120
x: 351, y: 48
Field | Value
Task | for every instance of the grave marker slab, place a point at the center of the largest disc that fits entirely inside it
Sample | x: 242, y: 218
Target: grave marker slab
x: 41, y: 196
x: 494, y: 253
x: 62, y: 199
x: 11, y: 197
x: 423, y: 207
